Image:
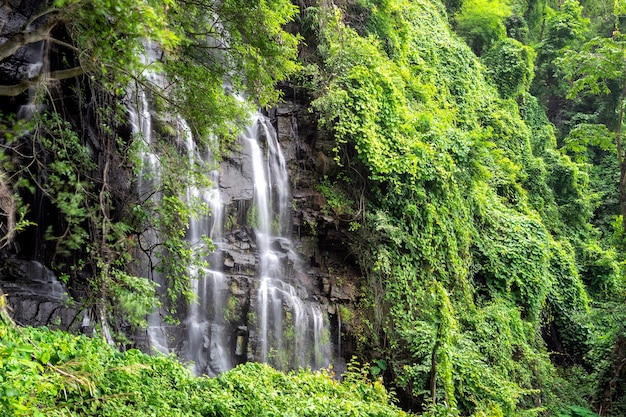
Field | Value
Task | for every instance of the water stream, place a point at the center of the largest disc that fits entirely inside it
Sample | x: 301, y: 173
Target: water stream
x: 148, y: 188
x: 293, y: 331
x: 208, y: 332
x: 288, y: 329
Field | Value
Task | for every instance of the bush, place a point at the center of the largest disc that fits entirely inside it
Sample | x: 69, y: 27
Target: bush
x: 510, y: 66
x: 51, y: 373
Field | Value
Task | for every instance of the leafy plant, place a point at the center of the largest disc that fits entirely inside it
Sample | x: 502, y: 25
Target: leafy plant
x: 510, y: 65
x: 56, y: 374
x: 481, y: 23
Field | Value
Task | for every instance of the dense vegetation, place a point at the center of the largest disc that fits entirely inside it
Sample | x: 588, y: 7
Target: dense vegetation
x: 46, y: 373
x: 481, y: 159
x: 490, y: 253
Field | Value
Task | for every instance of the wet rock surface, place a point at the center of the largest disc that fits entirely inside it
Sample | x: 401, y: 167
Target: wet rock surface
x: 313, y: 252
x: 36, y: 297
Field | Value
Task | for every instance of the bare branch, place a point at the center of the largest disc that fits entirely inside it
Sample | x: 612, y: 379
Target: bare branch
x: 16, y: 89
x: 64, y: 44
x: 40, y: 15
x: 18, y: 40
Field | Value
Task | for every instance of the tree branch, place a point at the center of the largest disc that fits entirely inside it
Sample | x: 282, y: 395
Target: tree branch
x: 64, y: 44
x: 18, y: 40
x: 16, y: 89
x: 40, y: 15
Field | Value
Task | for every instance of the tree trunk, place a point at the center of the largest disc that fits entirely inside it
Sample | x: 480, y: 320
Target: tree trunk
x: 621, y: 157
x: 433, y: 373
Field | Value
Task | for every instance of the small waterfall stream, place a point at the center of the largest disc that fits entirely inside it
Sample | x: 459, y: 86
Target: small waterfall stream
x: 208, y: 333
x: 148, y: 188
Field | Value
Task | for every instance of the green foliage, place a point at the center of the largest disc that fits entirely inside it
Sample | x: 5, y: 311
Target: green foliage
x: 336, y: 199
x: 565, y: 29
x: 576, y: 411
x: 606, y: 353
x: 242, y: 44
x: 45, y: 373
x: 66, y: 184
x: 64, y: 170
x: 568, y: 304
x: 476, y: 226
x: 481, y: 23
x: 517, y: 28
x: 584, y: 136
x: 512, y: 255
x: 534, y: 116
x: 591, y: 68
x: 110, y: 35
x: 510, y: 65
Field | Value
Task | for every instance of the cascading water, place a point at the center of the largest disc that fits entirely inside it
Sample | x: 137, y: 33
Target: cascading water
x: 208, y: 333
x: 148, y: 186
x: 288, y: 328
x: 292, y: 330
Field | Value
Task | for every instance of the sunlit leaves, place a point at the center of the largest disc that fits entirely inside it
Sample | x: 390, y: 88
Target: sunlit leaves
x: 481, y: 23
x: 585, y: 135
x: 230, y: 51
x: 45, y: 373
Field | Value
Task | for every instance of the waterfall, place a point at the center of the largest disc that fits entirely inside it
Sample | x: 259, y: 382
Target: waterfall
x: 292, y: 330
x: 280, y: 322
x: 208, y: 333
x: 148, y: 186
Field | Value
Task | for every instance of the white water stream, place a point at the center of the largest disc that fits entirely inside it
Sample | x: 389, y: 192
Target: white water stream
x: 148, y: 187
x: 289, y: 330
x: 208, y: 333
x: 293, y: 331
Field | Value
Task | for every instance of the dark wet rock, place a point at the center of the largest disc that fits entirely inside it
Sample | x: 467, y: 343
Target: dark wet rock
x: 36, y: 297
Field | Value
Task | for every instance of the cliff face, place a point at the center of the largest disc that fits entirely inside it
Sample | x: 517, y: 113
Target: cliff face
x: 35, y: 295
x: 311, y: 253
x: 311, y: 250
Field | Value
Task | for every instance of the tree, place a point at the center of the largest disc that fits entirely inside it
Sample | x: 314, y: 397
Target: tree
x: 599, y: 67
x: 92, y: 35
x: 563, y: 29
x: 481, y: 23
x: 242, y: 41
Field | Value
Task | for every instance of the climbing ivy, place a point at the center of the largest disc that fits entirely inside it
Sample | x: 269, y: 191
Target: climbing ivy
x: 476, y: 224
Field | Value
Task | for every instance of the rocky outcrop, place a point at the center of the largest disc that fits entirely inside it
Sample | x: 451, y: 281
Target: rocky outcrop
x: 27, y: 61
x: 320, y: 238
x: 317, y: 255
x: 35, y: 297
